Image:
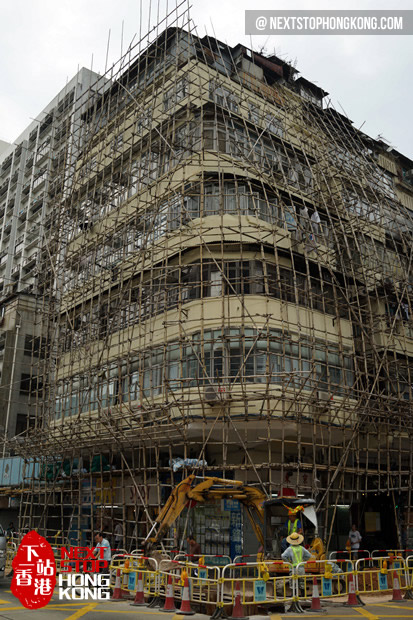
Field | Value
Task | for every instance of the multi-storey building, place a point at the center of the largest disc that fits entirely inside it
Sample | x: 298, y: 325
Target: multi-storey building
x: 32, y: 176
x: 232, y: 286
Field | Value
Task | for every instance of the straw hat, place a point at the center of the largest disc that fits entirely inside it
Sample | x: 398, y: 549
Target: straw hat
x: 295, y: 539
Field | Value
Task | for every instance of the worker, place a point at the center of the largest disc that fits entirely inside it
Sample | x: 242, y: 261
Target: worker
x: 194, y: 548
x: 295, y: 554
x: 294, y: 524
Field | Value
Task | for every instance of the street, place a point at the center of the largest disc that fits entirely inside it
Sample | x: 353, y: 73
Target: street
x: 377, y: 608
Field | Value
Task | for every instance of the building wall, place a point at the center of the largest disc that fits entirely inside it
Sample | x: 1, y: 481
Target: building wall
x: 198, y: 312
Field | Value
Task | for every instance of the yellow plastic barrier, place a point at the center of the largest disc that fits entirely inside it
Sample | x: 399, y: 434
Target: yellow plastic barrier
x: 259, y: 583
x: 11, y: 551
x: 380, y: 577
x: 331, y: 579
x: 204, y: 581
x: 132, y: 568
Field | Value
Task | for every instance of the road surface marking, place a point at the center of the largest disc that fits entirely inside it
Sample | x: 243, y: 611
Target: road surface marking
x: 402, y: 608
x: 121, y: 611
x: 4, y: 602
x: 275, y: 617
x: 82, y: 612
x: 368, y: 614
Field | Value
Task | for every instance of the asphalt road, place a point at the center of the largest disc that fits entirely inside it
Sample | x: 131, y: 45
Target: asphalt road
x: 377, y: 608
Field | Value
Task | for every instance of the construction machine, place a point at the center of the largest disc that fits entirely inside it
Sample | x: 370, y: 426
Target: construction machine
x: 267, y: 516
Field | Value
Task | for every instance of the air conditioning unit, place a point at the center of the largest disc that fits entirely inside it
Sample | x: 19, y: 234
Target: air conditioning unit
x: 216, y: 393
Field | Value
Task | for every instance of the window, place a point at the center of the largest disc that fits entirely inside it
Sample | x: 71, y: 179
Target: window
x: 30, y: 385
x: 253, y: 113
x: 175, y: 94
x: 34, y: 346
x: 223, y: 97
x: 25, y: 384
x: 274, y: 125
x: 22, y: 420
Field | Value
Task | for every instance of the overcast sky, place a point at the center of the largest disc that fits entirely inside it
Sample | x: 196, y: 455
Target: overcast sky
x: 44, y: 42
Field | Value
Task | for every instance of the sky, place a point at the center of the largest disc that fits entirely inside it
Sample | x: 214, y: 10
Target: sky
x: 44, y: 42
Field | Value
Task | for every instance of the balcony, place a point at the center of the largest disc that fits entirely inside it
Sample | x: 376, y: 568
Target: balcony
x: 39, y: 181
x: 32, y: 236
x: 15, y: 271
x: 43, y: 151
x: 22, y: 214
x: 7, y: 163
x: 3, y: 188
x: 36, y: 205
x: 30, y: 262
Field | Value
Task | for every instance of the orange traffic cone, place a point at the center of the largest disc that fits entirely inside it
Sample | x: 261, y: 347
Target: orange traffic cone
x: 185, y: 609
x: 352, y: 597
x: 117, y: 592
x: 315, y: 599
x: 139, y: 596
x: 169, y: 601
x: 397, y: 595
x: 237, y: 609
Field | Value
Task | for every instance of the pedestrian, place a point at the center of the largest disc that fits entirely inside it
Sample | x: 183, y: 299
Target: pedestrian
x: 295, y: 555
x: 355, y: 538
x: 118, y: 533
x: 194, y: 548
x: 106, y: 555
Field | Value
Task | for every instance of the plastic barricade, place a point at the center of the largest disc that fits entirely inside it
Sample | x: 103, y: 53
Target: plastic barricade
x: 404, y: 553
x: 207, y: 560
x: 409, y: 569
x: 262, y: 586
x: 353, y: 555
x: 379, y: 578
x: 252, y: 557
x: 132, y: 568
x: 11, y: 551
x: 332, y: 578
x: 204, y: 581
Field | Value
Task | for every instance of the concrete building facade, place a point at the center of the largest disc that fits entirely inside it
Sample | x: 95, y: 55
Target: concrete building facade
x: 32, y: 171
x: 231, y: 286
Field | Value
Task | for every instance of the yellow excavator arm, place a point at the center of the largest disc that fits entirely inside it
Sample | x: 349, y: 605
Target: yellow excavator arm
x: 206, y: 490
